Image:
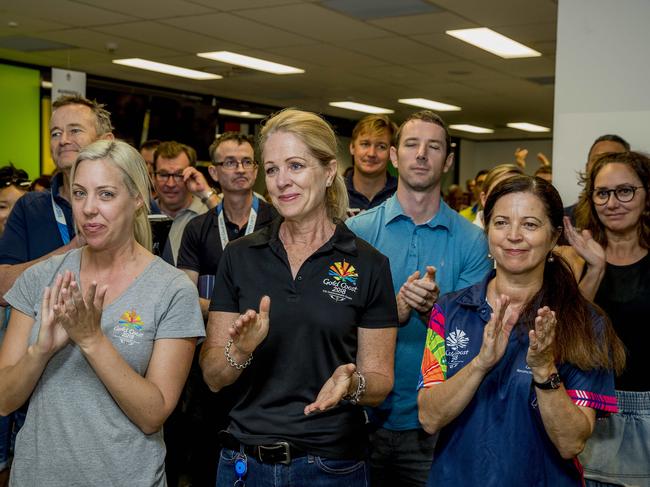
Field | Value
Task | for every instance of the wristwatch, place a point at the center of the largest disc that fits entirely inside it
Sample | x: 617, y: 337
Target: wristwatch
x: 553, y: 382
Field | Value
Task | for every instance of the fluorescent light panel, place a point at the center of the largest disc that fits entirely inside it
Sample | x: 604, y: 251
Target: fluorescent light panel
x: 430, y: 104
x: 360, y: 107
x: 250, y: 62
x: 528, y: 127
x: 471, y: 128
x: 493, y: 42
x: 236, y: 113
x: 165, y: 68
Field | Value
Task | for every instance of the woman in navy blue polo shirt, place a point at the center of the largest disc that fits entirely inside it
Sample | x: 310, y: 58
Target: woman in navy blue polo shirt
x: 322, y: 340
x: 516, y: 368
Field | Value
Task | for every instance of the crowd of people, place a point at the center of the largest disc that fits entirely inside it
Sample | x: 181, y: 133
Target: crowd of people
x: 163, y: 324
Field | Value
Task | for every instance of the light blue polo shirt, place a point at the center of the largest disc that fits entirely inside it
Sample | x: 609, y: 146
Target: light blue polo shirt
x: 457, y: 248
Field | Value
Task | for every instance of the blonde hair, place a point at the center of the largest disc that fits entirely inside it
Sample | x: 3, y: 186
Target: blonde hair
x: 134, y: 174
x: 320, y: 139
x: 497, y: 172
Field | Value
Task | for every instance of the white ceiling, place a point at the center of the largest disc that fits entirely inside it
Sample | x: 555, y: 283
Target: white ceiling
x: 373, y: 61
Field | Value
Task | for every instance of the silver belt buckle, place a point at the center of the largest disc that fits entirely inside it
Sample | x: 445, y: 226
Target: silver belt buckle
x: 283, y: 444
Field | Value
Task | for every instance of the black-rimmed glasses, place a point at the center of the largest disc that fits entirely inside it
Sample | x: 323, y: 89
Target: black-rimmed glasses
x: 163, y: 177
x: 231, y: 164
x: 624, y: 194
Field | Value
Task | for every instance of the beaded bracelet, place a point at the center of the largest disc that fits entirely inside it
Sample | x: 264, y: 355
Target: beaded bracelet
x: 232, y: 362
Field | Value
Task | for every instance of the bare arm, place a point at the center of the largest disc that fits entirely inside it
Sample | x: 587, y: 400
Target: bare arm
x: 567, y: 425
x: 10, y: 272
x: 22, y: 365
x: 148, y: 400
x: 440, y: 404
x: 204, y: 303
x: 247, y: 331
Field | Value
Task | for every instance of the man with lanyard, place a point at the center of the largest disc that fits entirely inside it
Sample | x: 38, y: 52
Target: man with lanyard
x: 182, y: 191
x: 239, y: 213
x: 423, y: 238
x: 370, y: 184
x: 41, y: 225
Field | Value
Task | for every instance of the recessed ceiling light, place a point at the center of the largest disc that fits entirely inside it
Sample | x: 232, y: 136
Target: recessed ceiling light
x: 528, y: 127
x: 493, y: 42
x: 236, y: 113
x: 166, y: 68
x: 250, y: 62
x: 463, y: 127
x: 360, y: 107
x: 430, y: 104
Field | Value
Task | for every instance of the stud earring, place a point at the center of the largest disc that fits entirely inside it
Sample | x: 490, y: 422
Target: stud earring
x: 550, y: 258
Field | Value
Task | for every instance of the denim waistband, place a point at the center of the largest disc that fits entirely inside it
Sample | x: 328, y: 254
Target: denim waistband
x: 633, y: 402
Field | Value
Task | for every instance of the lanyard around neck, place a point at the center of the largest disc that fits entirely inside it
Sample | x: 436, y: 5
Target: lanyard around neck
x: 252, y: 218
x: 60, y: 221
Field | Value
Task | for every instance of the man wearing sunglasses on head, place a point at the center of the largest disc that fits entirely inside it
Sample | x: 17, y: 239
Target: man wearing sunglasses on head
x: 182, y: 191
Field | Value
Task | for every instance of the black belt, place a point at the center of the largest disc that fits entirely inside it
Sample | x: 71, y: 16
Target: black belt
x: 279, y: 452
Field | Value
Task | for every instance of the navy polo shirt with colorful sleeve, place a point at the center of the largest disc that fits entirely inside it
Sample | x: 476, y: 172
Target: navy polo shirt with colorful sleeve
x: 314, y: 322
x: 499, y: 438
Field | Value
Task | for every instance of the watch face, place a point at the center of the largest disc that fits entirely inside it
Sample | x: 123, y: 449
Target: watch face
x: 554, y: 381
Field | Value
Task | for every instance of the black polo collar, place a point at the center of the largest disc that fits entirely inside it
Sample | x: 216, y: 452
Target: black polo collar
x: 343, y: 239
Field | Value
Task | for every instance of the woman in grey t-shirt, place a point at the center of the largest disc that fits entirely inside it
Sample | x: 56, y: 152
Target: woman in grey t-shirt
x: 101, y: 338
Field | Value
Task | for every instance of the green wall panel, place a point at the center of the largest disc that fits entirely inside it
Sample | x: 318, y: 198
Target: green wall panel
x: 20, y: 118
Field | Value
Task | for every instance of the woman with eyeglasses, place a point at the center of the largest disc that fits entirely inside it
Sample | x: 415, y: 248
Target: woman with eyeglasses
x: 614, y: 215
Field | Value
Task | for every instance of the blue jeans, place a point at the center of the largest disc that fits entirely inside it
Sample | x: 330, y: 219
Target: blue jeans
x: 311, y: 471
x: 400, y: 457
x: 618, y: 452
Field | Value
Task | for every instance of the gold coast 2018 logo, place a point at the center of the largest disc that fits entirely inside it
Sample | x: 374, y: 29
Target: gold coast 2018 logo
x: 341, y: 281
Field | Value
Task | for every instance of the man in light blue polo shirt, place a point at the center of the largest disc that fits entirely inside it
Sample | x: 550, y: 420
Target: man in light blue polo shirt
x: 417, y: 230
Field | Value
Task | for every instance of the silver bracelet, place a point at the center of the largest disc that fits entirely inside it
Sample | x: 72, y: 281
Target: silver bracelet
x: 361, y: 389
x: 232, y: 362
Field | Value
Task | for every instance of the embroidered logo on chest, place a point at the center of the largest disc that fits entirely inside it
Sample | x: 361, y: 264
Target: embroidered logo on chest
x: 129, y: 328
x: 456, y: 344
x: 341, y: 281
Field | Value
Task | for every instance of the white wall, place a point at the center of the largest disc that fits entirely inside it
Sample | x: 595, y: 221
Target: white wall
x: 601, y: 81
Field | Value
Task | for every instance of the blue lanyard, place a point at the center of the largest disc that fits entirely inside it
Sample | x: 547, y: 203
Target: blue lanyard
x: 60, y: 221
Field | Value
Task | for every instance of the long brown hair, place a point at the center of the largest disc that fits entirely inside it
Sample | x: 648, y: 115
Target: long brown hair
x: 577, y: 340
x: 586, y: 215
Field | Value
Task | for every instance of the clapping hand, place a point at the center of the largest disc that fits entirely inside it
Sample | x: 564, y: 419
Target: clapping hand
x: 417, y: 293
x: 541, y: 340
x: 251, y: 328
x: 585, y: 245
x: 52, y: 337
x: 333, y: 390
x: 80, y: 315
x: 496, y: 334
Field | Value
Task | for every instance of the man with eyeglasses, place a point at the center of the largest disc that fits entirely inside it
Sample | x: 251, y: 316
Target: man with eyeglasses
x: 182, y: 191
x: 239, y: 213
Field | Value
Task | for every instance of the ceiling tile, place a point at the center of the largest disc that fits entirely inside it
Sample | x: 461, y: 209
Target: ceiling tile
x: 26, y: 25
x: 228, y: 5
x: 507, y: 12
x: 166, y: 36
x: 238, y: 30
x: 150, y: 9
x: 397, y: 50
x: 423, y: 24
x: 124, y: 48
x: 330, y: 56
x: 315, y: 22
x: 67, y: 12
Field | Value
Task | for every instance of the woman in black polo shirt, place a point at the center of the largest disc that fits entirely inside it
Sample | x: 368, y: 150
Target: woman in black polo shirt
x: 321, y: 344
